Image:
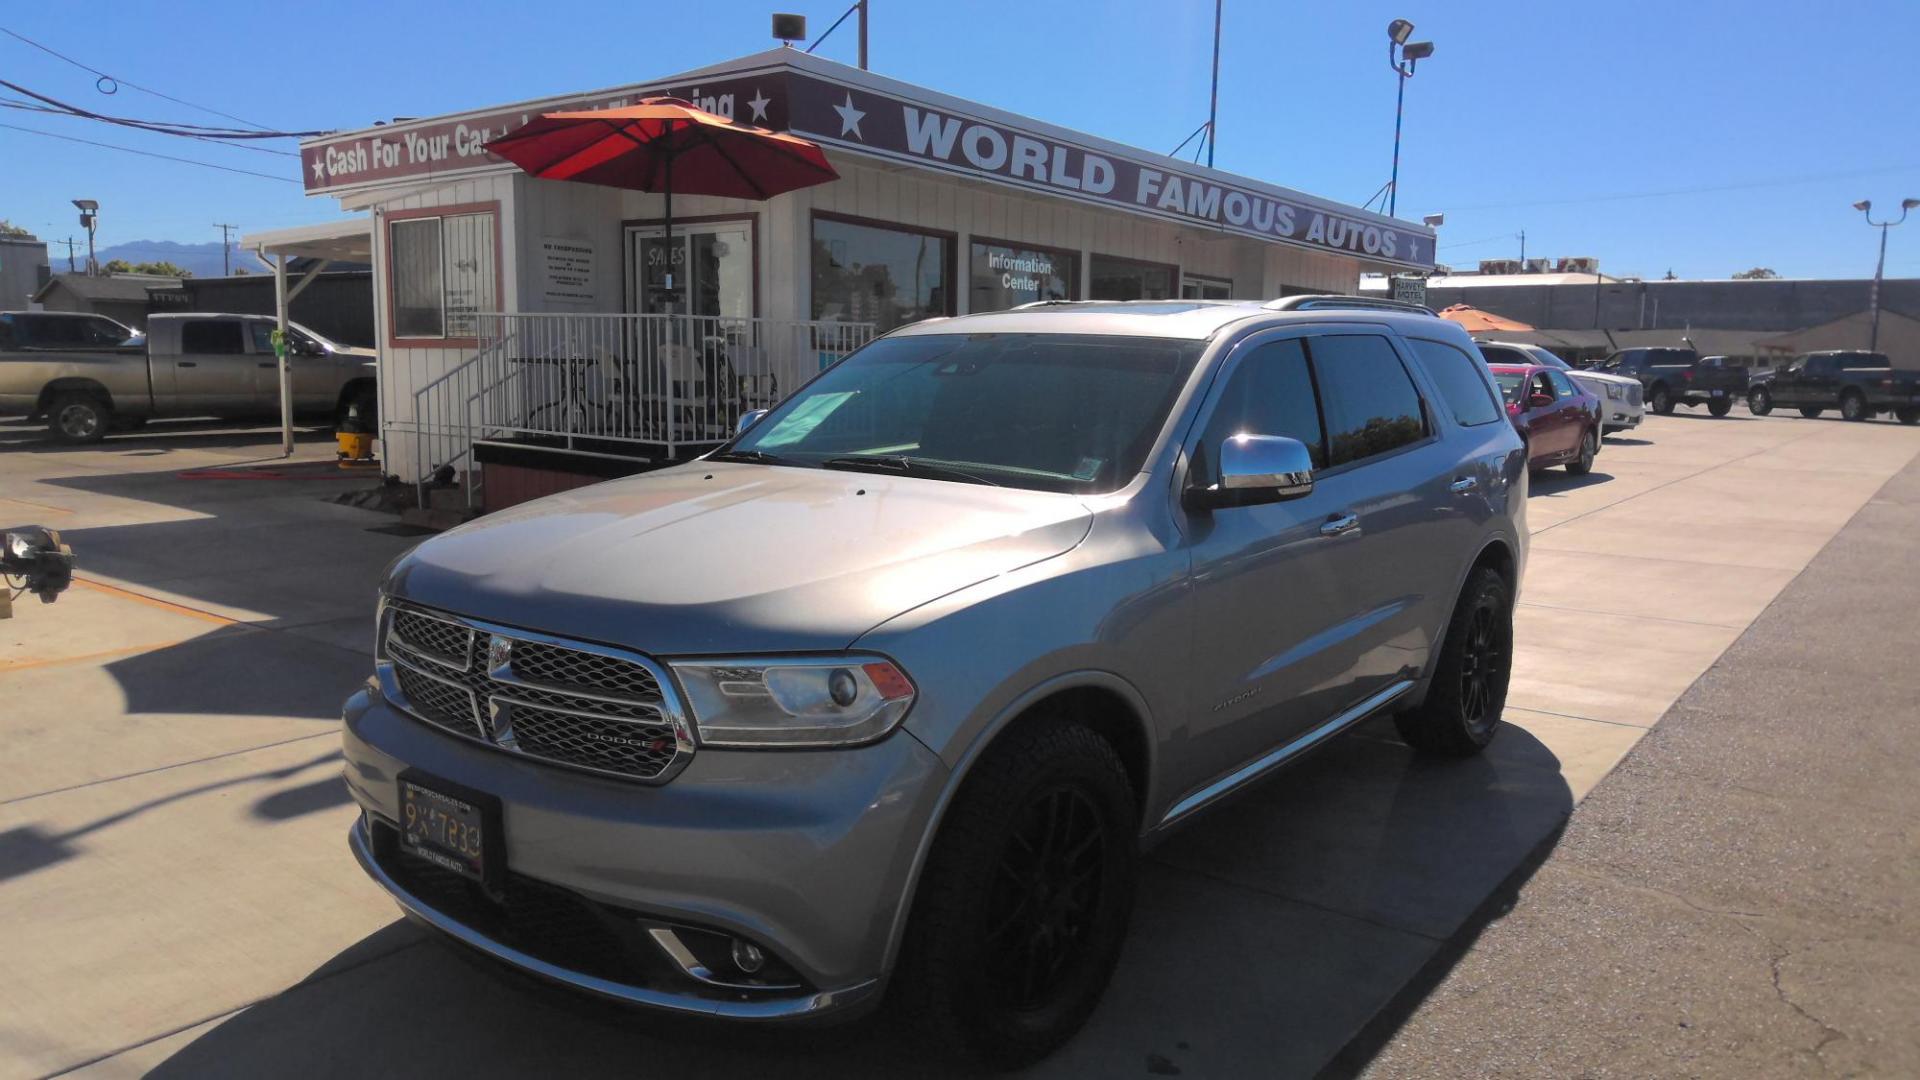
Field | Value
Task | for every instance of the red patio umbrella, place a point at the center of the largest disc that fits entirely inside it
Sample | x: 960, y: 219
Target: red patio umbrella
x: 665, y: 145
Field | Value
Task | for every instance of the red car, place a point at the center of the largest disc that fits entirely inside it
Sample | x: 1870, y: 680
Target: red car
x: 1559, y: 420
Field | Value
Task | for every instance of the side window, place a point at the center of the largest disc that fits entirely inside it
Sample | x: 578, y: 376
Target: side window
x: 262, y: 334
x: 1370, y: 401
x: 1269, y: 393
x: 1562, y: 385
x: 211, y: 336
x: 105, y: 332
x: 1461, y: 382
x: 6, y: 332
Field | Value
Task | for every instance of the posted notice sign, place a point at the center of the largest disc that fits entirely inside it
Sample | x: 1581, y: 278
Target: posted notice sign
x: 566, y: 268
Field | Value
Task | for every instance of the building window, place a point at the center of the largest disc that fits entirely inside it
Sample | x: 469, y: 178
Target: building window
x: 880, y: 275
x: 1195, y: 287
x: 443, y: 273
x: 1124, y: 279
x: 1002, y: 276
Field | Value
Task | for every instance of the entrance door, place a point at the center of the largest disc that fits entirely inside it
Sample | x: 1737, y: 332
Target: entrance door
x: 711, y: 266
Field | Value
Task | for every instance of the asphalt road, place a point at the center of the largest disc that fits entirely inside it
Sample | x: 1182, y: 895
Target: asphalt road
x: 176, y: 896
x: 1738, y: 897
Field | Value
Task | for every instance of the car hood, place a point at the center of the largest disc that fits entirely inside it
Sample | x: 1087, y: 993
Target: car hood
x: 723, y: 557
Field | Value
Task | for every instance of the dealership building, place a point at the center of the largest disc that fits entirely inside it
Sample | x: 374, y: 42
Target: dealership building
x: 547, y: 333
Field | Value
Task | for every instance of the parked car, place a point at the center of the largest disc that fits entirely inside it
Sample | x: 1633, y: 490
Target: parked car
x: 1619, y: 395
x: 85, y: 379
x: 1673, y: 377
x: 1860, y: 384
x: 1559, y: 420
x: 888, y: 692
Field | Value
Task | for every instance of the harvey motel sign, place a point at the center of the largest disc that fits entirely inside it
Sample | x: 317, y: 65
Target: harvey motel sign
x: 859, y: 113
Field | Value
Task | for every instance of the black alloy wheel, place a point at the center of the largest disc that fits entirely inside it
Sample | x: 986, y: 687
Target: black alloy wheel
x: 1759, y: 401
x: 1046, y: 889
x: 1483, y: 669
x: 1021, y: 910
x: 1662, y: 401
x: 1461, y: 712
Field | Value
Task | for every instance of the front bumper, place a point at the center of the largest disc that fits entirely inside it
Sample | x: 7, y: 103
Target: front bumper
x: 807, y: 854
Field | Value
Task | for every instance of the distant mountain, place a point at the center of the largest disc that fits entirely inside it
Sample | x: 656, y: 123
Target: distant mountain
x: 202, y: 259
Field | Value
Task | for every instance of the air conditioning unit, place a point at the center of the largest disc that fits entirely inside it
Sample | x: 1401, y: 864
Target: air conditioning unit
x: 1581, y: 264
x: 1539, y: 266
x: 1499, y: 266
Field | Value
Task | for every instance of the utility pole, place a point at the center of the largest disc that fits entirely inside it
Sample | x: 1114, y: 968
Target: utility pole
x: 69, y: 242
x: 226, y: 248
x: 863, y: 35
x: 1213, y: 103
x: 1879, y: 269
x: 1523, y: 249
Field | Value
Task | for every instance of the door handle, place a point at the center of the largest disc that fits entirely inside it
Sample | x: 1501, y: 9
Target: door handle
x: 188, y: 363
x: 1340, y: 524
x: 267, y: 363
x: 1464, y: 484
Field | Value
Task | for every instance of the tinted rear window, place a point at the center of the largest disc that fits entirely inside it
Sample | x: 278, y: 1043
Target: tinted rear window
x: 1368, y: 398
x: 1460, y: 381
x: 211, y: 336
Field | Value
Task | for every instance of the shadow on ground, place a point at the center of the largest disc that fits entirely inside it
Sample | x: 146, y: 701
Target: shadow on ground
x: 1266, y: 939
x: 1554, y: 481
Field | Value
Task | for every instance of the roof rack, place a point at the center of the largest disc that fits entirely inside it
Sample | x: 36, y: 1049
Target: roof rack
x: 1336, y: 302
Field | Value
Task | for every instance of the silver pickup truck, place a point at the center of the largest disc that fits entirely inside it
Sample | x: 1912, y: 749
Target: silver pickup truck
x: 86, y: 374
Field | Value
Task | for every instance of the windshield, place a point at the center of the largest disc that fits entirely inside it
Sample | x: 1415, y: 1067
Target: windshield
x: 1551, y: 360
x: 1051, y: 412
x: 1511, y: 383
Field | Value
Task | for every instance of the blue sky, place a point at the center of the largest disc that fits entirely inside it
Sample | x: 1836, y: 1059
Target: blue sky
x: 1702, y: 137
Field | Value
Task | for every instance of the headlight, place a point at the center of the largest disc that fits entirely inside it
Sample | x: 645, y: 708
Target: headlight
x: 794, y: 701
x: 1616, y: 391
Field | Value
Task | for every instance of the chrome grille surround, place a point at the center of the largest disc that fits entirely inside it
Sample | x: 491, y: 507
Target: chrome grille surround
x: 568, y: 703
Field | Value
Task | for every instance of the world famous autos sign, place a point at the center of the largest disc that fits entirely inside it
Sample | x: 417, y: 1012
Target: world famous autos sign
x: 884, y: 125
x: 894, y: 124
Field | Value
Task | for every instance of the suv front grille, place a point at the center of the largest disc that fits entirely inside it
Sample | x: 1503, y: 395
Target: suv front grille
x: 1633, y: 394
x: 569, y: 703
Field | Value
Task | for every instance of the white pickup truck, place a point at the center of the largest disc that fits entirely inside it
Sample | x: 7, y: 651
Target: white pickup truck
x: 86, y: 374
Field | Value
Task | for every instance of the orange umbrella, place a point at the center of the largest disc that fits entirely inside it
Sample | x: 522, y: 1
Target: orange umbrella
x: 665, y: 144
x: 1475, y: 321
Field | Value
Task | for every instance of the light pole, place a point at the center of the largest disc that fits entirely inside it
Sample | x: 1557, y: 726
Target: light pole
x: 1865, y: 206
x: 89, y: 216
x: 1403, y: 57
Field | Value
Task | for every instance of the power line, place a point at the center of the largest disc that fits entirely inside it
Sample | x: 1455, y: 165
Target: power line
x: 188, y: 130
x: 1705, y: 190
x: 151, y: 154
x: 28, y: 106
x: 105, y: 79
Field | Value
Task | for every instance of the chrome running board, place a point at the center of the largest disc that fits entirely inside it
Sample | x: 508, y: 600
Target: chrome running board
x: 1267, y: 762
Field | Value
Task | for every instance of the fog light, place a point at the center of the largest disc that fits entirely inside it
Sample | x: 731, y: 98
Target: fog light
x: 747, y: 956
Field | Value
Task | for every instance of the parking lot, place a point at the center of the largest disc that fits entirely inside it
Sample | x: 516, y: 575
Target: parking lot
x: 176, y: 894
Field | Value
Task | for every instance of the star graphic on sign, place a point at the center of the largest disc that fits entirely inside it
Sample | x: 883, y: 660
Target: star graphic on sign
x: 850, y: 119
x: 319, y: 169
x: 759, y: 103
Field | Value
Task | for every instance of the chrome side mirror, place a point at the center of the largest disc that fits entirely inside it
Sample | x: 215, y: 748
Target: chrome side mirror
x: 1258, y: 469
x: 747, y: 420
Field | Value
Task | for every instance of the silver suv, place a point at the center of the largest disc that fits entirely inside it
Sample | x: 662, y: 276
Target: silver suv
x: 889, y: 692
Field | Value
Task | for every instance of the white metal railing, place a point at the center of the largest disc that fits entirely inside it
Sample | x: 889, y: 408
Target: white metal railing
x: 654, y: 386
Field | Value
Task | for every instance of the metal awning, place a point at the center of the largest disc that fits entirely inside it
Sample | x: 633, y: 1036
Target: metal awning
x: 350, y: 240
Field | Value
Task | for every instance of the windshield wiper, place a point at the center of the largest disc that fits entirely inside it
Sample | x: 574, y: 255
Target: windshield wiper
x: 901, y: 463
x: 755, y: 457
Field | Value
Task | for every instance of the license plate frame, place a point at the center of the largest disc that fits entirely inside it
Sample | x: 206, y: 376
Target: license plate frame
x: 452, y: 811
x: 1719, y: 393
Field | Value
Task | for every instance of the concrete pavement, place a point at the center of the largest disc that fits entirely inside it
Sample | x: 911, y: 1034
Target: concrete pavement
x: 175, y: 892
x: 1737, y: 899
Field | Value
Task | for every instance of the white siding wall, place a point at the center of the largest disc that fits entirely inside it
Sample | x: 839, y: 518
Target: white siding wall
x: 531, y: 210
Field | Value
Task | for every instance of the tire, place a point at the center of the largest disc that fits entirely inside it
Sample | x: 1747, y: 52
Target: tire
x: 1853, y: 406
x: 1811, y: 412
x: 1469, y: 688
x: 1908, y: 415
x: 1661, y: 400
x: 1759, y: 401
x: 1589, y: 446
x: 77, y: 417
x: 1720, y: 406
x: 978, y: 988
